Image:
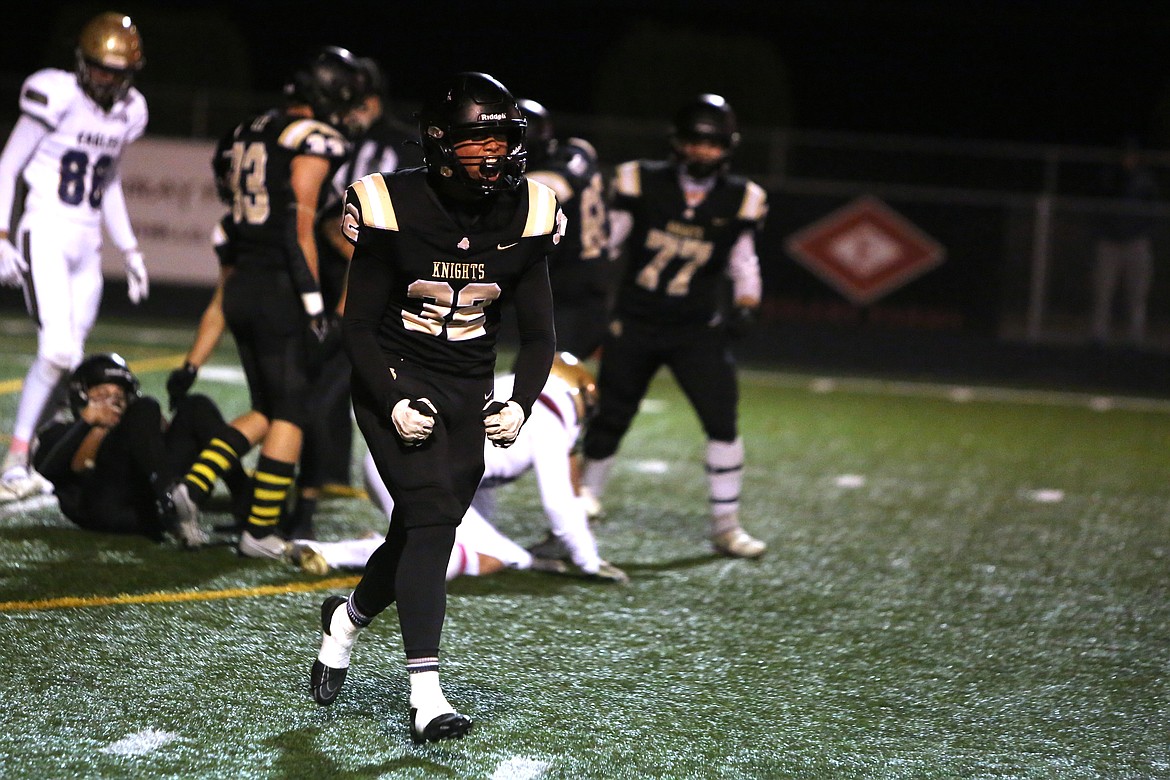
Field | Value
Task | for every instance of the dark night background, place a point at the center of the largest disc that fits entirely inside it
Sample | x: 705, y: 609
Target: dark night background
x: 1079, y: 72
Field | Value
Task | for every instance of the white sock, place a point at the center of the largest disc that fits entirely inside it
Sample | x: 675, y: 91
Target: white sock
x: 42, y: 377
x: 595, y: 473
x: 336, y: 645
x: 724, y: 476
x: 426, y: 695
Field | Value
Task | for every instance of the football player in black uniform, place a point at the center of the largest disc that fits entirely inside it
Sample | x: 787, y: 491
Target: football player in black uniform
x: 689, y: 227
x: 112, y: 459
x: 382, y: 143
x: 279, y: 164
x: 579, y: 269
x: 437, y: 251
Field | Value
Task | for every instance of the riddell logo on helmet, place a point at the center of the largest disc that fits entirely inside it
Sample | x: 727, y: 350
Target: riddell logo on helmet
x: 490, y: 117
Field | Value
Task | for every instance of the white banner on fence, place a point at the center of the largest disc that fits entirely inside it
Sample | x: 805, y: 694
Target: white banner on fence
x: 171, y: 199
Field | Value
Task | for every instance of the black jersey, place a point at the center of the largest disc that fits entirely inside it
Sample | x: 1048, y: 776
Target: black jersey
x: 386, y: 146
x: 677, y: 256
x: 442, y: 283
x: 577, y: 269
x: 259, y: 181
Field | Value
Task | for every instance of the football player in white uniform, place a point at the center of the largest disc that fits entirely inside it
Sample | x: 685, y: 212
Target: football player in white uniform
x: 543, y: 446
x: 59, y: 182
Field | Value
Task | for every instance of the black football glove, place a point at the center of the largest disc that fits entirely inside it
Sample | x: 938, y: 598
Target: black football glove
x: 179, y: 383
x: 323, y: 339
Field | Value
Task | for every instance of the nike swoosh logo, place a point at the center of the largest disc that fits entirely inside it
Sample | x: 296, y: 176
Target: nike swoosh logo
x: 506, y: 246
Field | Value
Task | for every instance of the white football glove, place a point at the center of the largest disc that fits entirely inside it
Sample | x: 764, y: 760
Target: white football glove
x: 502, y: 421
x: 136, y: 280
x: 414, y: 420
x: 12, y: 265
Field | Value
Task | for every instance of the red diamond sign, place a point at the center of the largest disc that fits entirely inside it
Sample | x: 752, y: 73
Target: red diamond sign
x: 865, y: 250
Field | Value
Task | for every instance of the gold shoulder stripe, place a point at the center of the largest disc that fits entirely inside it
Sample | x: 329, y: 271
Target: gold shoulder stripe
x: 628, y: 179
x: 755, y: 202
x: 542, y: 210
x: 374, y: 197
x: 295, y: 134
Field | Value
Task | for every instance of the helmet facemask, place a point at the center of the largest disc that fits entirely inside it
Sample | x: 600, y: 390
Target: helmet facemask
x: 708, y: 119
x: 477, y: 108
x: 97, y: 370
x: 109, y: 54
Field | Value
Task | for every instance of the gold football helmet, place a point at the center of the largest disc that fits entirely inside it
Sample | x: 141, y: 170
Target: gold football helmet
x: 582, y: 385
x: 109, y: 53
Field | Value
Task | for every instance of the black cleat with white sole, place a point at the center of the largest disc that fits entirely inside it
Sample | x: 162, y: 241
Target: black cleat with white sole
x: 449, y: 725
x: 325, y: 681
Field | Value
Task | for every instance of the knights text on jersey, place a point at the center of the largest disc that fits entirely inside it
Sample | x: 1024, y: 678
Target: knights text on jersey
x: 678, y: 254
x: 259, y: 178
x: 448, y: 281
x: 70, y: 168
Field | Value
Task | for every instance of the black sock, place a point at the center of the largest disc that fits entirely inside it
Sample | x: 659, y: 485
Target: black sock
x: 270, y: 485
x: 221, y: 455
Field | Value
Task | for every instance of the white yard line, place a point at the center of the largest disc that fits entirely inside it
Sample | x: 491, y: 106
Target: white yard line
x: 520, y: 769
x: 145, y: 741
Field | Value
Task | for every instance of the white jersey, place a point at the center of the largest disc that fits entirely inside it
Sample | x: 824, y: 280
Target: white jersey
x: 548, y: 435
x: 71, y: 166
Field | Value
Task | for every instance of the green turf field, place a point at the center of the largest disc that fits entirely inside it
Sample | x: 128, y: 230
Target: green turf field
x: 961, y: 583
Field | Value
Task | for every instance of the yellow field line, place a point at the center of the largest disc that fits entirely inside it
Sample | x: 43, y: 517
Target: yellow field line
x: 163, y: 363
x: 333, y: 583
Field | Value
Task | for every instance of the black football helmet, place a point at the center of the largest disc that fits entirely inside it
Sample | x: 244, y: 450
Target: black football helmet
x: 98, y: 370
x: 109, y: 53
x: 541, y: 140
x: 332, y: 83
x: 706, y: 118
x: 476, y: 104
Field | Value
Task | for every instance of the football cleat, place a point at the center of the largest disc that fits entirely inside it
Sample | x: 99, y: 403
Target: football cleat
x: 738, y: 543
x: 19, y: 482
x: 610, y: 573
x: 449, y: 725
x: 307, y: 559
x: 337, y: 637
x: 551, y: 548
x: 551, y: 565
x: 180, y: 517
x: 606, y: 573
x: 271, y: 546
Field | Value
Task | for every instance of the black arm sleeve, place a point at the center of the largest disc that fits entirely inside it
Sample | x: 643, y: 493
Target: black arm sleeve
x: 367, y: 291
x: 298, y: 266
x: 534, y: 317
x: 58, y: 444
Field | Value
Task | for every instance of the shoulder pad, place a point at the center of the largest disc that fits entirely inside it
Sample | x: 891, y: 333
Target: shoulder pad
x: 628, y: 179
x: 558, y: 183
x: 542, y: 210
x: 47, y: 94
x: 311, y: 136
x: 754, y: 206
x: 373, y: 196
